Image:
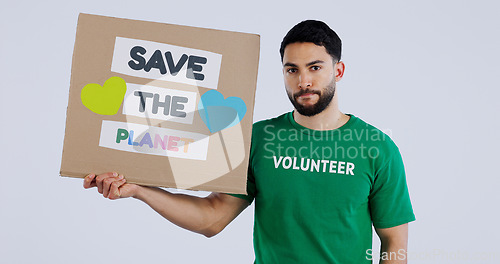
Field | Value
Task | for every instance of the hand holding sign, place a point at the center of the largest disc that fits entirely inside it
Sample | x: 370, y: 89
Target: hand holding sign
x: 111, y: 185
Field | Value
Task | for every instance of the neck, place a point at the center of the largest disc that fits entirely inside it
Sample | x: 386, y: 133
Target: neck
x: 328, y: 119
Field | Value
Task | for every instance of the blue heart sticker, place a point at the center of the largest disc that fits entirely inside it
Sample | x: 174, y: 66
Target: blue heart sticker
x: 218, y: 113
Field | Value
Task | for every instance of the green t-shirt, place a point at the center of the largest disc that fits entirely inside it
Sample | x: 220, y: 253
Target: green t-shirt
x: 317, y: 193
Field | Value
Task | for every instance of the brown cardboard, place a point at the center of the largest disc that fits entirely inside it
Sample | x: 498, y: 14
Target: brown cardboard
x: 89, y: 138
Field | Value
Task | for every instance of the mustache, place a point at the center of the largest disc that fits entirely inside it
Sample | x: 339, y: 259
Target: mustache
x: 301, y: 92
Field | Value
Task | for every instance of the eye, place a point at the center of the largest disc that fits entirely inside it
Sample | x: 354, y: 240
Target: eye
x: 291, y: 70
x: 315, y: 68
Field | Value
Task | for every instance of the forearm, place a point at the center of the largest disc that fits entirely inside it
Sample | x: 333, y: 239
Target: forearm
x: 393, y: 253
x: 189, y: 212
x: 393, y: 244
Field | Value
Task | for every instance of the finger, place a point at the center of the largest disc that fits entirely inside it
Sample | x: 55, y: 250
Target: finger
x: 100, y: 178
x: 88, y: 180
x: 106, y: 185
x: 98, y: 182
x: 114, y: 191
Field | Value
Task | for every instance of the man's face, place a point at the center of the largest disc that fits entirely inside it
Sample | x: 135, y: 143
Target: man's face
x: 309, y: 73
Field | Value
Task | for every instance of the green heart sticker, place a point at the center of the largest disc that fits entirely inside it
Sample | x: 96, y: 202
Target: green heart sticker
x: 106, y: 99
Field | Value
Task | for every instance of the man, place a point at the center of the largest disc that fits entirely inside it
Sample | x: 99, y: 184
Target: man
x: 320, y: 178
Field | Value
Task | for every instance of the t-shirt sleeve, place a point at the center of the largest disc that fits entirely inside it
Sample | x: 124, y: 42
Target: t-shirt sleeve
x: 390, y: 203
x: 250, y: 188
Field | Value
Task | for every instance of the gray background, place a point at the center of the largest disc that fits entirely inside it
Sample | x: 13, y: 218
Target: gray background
x: 425, y: 71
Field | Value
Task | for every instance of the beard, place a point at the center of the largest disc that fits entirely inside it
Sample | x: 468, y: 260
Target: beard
x: 325, y: 97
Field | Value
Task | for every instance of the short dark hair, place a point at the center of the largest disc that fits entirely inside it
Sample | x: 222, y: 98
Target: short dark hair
x: 316, y: 32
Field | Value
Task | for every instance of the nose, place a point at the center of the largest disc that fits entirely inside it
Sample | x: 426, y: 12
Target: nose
x: 305, y: 81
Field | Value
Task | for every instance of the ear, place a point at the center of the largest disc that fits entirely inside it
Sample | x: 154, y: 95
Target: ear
x: 339, y: 69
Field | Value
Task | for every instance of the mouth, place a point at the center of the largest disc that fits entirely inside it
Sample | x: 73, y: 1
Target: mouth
x: 306, y: 94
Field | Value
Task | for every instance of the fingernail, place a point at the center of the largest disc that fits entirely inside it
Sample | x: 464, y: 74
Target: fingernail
x: 115, y: 174
x: 120, y: 176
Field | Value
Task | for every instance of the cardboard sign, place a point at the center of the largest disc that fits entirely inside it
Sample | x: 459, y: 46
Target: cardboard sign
x: 164, y: 105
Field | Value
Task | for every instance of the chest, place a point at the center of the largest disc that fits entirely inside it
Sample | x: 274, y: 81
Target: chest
x: 311, y: 175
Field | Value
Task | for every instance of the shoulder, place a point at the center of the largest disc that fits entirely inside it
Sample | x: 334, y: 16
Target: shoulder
x: 265, y: 131
x: 268, y: 125
x: 373, y: 137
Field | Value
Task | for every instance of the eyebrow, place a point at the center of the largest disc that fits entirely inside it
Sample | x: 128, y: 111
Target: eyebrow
x: 315, y: 62
x: 289, y: 64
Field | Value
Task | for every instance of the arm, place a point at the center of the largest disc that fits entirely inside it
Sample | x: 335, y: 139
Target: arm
x: 207, y: 216
x: 394, y: 243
